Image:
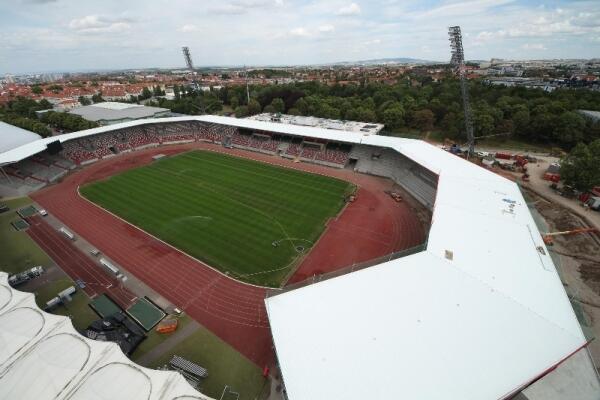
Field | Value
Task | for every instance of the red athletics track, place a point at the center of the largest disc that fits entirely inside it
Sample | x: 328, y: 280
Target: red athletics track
x: 374, y: 225
x: 76, y: 264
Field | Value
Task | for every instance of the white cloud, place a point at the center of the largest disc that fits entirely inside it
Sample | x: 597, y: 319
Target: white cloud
x: 300, y: 32
x: 372, y: 42
x: 188, y: 28
x: 99, y: 24
x: 352, y: 9
x: 326, y: 28
x: 229, y: 9
x: 238, y: 7
x: 533, y: 46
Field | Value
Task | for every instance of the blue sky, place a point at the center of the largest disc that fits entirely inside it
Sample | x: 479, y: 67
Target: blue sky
x: 70, y: 35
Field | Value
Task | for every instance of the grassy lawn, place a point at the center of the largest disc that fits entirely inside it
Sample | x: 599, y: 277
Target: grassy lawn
x: 79, y: 311
x: 226, y: 211
x: 225, y: 365
x: 17, y: 250
x: 154, y: 338
x: 514, y: 144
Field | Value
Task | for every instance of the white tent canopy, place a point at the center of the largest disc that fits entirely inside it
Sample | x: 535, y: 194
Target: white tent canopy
x: 43, y: 357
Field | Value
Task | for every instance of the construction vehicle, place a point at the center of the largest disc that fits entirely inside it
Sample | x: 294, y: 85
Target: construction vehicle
x: 167, y: 325
x: 396, y: 196
x: 548, y: 237
x: 594, y: 203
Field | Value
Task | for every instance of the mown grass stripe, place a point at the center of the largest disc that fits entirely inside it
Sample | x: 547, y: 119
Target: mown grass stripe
x: 225, y: 210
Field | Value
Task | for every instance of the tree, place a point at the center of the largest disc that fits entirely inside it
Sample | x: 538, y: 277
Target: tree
x: 253, y: 107
x: 84, y: 101
x: 36, y: 89
x: 234, y: 102
x: 393, y: 117
x: 241, y: 112
x: 569, y: 128
x: 278, y: 105
x: 97, y: 98
x: 581, y: 167
x: 156, y: 91
x: 423, y: 119
x: 146, y: 94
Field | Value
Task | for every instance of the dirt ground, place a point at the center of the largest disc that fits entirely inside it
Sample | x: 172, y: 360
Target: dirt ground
x: 579, y: 259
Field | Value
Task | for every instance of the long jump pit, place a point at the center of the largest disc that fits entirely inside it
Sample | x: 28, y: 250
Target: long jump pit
x: 372, y: 226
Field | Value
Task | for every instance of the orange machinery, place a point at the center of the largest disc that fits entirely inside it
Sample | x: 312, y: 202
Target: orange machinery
x: 548, y: 237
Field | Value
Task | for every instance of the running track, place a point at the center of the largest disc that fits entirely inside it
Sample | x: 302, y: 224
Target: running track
x: 76, y: 264
x: 372, y: 226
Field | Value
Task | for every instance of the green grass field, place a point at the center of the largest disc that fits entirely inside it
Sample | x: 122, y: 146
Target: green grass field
x: 226, y: 211
x: 17, y: 250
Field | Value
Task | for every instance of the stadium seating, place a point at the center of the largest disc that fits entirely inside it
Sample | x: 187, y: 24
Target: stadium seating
x: 333, y: 156
x: 309, y: 152
x: 75, y: 152
x: 415, y: 179
x: 271, y: 145
x: 214, y: 133
x: 293, y: 150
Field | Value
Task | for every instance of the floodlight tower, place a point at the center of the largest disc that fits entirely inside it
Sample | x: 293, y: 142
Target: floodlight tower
x: 188, y: 61
x: 458, y: 61
x: 247, y: 88
x: 188, y: 58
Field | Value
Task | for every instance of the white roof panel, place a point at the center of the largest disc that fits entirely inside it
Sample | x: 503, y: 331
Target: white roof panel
x: 414, y: 328
x: 43, y: 357
x: 12, y: 136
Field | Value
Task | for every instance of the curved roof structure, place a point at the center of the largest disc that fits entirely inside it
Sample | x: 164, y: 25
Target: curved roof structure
x: 479, y: 314
x: 43, y: 357
x: 12, y: 136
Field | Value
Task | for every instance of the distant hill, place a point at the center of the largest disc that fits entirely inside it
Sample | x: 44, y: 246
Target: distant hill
x: 381, y: 61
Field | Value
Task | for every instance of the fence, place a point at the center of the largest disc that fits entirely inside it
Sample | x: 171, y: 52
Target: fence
x: 346, y: 270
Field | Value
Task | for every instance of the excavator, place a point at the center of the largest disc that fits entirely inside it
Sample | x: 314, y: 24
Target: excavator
x: 548, y: 237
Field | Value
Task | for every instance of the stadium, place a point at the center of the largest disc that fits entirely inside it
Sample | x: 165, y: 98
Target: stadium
x: 285, y: 242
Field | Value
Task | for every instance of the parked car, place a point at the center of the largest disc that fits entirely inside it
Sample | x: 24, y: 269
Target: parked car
x: 43, y: 212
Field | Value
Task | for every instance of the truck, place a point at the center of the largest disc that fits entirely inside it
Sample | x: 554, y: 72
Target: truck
x: 594, y: 203
x: 25, y: 276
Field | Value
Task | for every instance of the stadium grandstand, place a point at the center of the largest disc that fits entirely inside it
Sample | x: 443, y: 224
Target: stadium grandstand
x: 481, y: 313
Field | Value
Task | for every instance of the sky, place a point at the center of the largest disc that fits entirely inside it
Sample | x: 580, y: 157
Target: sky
x: 84, y: 35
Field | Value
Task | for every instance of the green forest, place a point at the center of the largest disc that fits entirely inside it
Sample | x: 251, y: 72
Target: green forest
x: 528, y: 115
x: 21, y: 112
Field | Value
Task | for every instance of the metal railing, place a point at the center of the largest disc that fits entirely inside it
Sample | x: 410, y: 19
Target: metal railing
x: 346, y: 270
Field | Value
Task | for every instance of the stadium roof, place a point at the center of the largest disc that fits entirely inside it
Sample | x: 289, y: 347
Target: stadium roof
x: 113, y: 111
x: 19, y: 153
x: 43, y: 357
x: 477, y: 315
x: 12, y: 136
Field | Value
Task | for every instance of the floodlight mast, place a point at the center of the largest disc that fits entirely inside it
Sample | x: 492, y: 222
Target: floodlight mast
x: 458, y: 61
x: 188, y: 61
x: 188, y: 58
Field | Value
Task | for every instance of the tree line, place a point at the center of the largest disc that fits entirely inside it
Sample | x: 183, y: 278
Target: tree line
x: 531, y: 115
x: 21, y: 112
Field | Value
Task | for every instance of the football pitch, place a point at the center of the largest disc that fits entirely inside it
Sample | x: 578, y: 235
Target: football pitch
x: 248, y: 219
